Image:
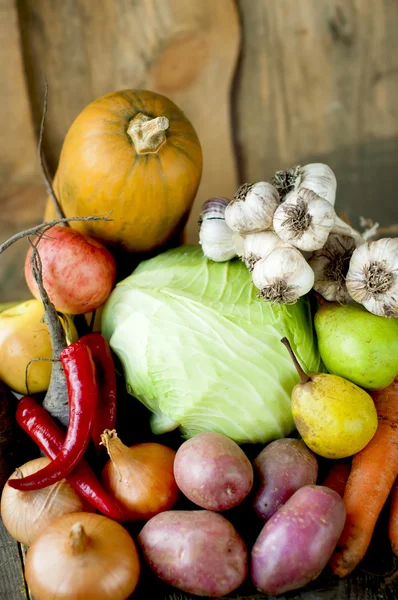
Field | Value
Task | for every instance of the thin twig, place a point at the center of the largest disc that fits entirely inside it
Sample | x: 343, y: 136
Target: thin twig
x: 49, y: 186
x: 388, y: 230
x: 56, y: 399
x: 373, y: 230
x: 53, y: 323
x: 32, y: 360
x: 43, y: 227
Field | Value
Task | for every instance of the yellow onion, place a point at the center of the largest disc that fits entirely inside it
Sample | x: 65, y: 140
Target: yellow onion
x: 82, y: 556
x: 140, y: 478
x: 26, y: 514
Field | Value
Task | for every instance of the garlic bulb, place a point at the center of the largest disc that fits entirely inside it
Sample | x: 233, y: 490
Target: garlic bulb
x: 343, y: 228
x: 252, y: 208
x: 330, y: 265
x: 259, y: 245
x: 304, y: 219
x: 283, y: 276
x: 317, y: 177
x: 215, y: 237
x: 239, y: 243
x: 372, y: 278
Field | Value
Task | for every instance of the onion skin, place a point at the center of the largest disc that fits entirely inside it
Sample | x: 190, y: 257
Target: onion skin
x: 26, y: 514
x: 102, y: 565
x: 140, y: 478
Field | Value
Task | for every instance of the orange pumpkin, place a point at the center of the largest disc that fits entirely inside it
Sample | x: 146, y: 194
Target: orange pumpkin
x: 135, y: 155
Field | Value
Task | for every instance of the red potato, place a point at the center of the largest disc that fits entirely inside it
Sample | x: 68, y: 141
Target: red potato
x: 78, y: 272
x: 295, y: 545
x: 199, y: 552
x: 213, y: 472
x: 283, y: 467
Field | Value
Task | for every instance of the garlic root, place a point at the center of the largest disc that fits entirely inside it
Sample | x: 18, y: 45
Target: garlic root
x: 330, y: 265
x: 304, y: 220
x: 283, y: 276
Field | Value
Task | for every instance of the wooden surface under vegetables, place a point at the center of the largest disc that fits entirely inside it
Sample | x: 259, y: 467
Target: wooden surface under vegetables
x: 375, y: 579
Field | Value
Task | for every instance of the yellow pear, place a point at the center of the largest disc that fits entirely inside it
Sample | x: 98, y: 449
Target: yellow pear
x: 335, y: 417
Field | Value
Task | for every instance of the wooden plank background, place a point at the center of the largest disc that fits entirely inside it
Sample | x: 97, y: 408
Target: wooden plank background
x: 267, y: 84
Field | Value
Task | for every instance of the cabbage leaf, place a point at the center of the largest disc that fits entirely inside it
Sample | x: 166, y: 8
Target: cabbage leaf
x: 202, y: 352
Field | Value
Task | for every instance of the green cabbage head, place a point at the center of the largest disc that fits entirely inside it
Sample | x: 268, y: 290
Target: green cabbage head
x: 202, y: 352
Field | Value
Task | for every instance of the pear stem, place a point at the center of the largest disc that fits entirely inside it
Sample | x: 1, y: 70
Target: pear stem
x: 322, y: 301
x: 302, y: 374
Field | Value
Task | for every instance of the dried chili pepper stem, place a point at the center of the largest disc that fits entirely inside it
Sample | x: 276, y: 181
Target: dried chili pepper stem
x: 79, y: 371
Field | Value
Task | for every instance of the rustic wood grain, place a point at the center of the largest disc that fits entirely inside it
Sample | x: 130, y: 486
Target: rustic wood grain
x: 21, y: 190
x: 184, y: 50
x: 12, y: 583
x: 318, y: 81
x: 18, y: 149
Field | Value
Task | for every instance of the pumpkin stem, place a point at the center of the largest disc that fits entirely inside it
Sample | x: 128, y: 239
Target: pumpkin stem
x: 146, y: 133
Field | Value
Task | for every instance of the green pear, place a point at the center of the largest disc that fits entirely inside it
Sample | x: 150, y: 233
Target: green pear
x: 358, y: 345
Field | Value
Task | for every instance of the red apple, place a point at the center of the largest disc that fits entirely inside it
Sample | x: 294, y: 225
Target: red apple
x: 78, y: 272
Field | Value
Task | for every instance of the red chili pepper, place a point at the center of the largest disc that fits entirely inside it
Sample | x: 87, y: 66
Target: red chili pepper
x: 79, y: 371
x: 105, y: 417
x: 38, y: 424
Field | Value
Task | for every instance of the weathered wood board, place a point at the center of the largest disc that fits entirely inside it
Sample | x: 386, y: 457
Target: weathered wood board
x: 21, y: 188
x: 317, y: 82
x: 185, y: 50
x: 267, y: 84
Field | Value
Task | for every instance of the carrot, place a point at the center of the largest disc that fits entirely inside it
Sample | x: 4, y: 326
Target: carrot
x: 337, y: 476
x: 372, y: 476
x: 393, y: 521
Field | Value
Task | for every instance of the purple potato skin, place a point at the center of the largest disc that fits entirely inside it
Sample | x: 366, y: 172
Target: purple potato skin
x: 295, y: 545
x: 213, y: 471
x: 283, y: 467
x: 199, y: 552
